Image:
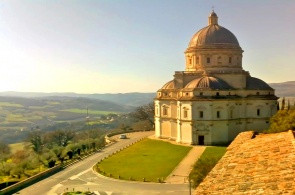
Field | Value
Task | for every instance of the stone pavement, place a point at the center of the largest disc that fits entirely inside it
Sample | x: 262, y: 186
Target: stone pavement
x: 181, y: 172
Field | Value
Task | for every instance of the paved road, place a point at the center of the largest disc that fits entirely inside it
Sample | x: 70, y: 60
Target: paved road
x: 81, y: 177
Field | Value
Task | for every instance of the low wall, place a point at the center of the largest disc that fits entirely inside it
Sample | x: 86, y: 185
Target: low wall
x: 108, y: 138
x: 27, y: 182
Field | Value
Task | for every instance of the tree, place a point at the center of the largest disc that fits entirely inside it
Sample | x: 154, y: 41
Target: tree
x: 145, y: 113
x: 4, y: 152
x: 48, y: 158
x: 283, y: 104
x: 201, y: 168
x: 4, y: 148
x: 283, y: 120
x: 36, y: 141
x: 62, y: 137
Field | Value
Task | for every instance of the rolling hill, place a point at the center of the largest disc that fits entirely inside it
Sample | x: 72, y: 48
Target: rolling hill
x: 285, y: 89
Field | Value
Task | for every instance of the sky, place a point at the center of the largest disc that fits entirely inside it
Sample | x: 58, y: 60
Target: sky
x: 121, y: 46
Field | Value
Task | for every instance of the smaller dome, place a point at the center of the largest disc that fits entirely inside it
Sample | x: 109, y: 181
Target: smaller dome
x: 169, y: 85
x: 255, y: 83
x: 207, y: 83
x: 213, y: 14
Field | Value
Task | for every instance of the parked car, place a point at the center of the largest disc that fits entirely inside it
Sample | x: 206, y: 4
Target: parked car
x: 123, y: 136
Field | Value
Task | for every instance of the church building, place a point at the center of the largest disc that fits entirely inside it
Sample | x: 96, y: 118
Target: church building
x: 214, y: 98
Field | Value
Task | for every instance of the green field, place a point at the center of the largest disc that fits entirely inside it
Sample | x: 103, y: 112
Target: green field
x: 149, y: 159
x: 15, y: 118
x: 9, y: 104
x: 92, y: 112
x: 18, y: 146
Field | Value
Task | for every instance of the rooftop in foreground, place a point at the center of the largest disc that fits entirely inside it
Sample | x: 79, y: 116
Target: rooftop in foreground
x: 254, y: 164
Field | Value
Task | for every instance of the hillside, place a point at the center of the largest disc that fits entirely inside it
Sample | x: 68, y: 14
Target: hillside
x: 131, y: 99
x: 285, y: 89
x: 26, y: 113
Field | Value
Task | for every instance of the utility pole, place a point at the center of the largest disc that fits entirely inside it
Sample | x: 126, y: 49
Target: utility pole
x: 190, y: 187
x: 87, y: 122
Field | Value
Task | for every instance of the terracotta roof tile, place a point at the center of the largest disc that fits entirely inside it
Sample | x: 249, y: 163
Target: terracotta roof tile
x: 254, y: 164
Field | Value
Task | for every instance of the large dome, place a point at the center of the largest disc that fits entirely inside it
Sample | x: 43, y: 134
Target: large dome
x: 213, y: 34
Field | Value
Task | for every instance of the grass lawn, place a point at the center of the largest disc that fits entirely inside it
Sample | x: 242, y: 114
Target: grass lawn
x: 214, y: 151
x: 205, y: 164
x: 149, y: 159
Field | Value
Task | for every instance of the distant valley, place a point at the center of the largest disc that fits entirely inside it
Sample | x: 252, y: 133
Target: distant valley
x: 23, y: 112
x: 26, y: 111
x: 285, y: 89
x: 128, y: 99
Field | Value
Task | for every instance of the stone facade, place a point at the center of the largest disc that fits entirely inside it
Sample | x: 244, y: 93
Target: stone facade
x: 254, y: 164
x: 214, y: 99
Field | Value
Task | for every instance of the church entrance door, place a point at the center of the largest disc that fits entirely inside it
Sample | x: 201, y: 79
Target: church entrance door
x: 201, y: 139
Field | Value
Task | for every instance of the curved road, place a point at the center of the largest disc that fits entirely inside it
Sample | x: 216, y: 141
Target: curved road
x: 81, y: 177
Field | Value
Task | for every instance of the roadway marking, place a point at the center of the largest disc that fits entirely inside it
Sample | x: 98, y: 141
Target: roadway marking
x: 79, y: 174
x: 60, y: 175
x: 53, y: 189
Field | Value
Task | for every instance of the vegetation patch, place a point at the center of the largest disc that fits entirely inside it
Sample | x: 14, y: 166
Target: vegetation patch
x: 17, y: 146
x: 15, y: 118
x: 147, y: 160
x: 206, y: 162
x: 92, y: 112
x: 10, y: 104
x: 283, y: 120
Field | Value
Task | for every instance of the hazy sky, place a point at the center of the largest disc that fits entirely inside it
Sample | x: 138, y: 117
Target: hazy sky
x: 119, y: 46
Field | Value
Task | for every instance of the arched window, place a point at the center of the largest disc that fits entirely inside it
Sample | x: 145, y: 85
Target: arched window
x: 208, y: 60
x: 190, y: 61
x: 258, y: 112
x: 218, y: 114
x: 219, y: 60
x: 165, y: 110
x: 201, y: 114
x: 185, y: 112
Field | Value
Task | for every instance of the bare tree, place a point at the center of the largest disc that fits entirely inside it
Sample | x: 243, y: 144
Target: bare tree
x: 4, y: 149
x: 4, y: 152
x: 145, y: 113
x: 62, y: 137
x: 36, y: 141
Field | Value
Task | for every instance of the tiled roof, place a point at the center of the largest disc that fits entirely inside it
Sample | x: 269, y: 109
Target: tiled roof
x: 255, y: 83
x: 207, y: 82
x: 254, y: 164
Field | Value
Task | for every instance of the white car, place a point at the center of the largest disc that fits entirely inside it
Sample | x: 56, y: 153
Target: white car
x: 123, y: 136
